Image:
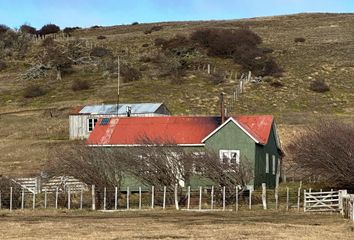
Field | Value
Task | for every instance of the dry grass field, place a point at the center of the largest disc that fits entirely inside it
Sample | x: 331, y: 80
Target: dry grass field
x: 172, y: 225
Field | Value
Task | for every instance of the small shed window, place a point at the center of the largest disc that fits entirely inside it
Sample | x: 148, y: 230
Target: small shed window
x: 91, y: 124
x: 273, y: 164
x: 230, y: 156
x: 267, y: 163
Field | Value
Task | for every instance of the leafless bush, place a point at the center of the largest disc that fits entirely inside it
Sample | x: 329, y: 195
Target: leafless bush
x: 28, y: 29
x: 299, y: 40
x: 153, y: 29
x: 100, y: 52
x: 326, y: 151
x: 2, y: 65
x: 5, y: 184
x: 49, y: 29
x: 276, y: 84
x: 217, y: 78
x: 79, y: 85
x: 33, y: 91
x: 101, y: 37
x: 3, y: 28
x: 102, y: 167
x: 130, y: 73
x: 319, y: 86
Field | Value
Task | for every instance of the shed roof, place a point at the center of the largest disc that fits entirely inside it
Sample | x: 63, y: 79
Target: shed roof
x: 111, y: 109
x: 182, y: 130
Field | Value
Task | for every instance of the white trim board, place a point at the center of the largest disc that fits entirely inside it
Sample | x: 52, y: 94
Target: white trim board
x: 226, y: 122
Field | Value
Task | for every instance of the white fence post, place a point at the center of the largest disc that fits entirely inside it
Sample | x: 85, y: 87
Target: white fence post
x: 139, y: 198
x: 22, y: 199
x: 34, y: 201
x: 45, y: 198
x: 305, y: 200
x: 200, y: 198
x: 189, y: 197
x: 56, y: 198
x: 164, y: 198
x: 276, y: 198
x: 223, y: 198
x: 236, y: 207
x: 176, y: 196
x: 264, y: 196
x: 81, y: 197
x: 93, y: 197
x: 128, y: 198
x: 287, y: 198
x: 10, y: 198
x: 69, y: 197
x: 212, y: 198
x: 250, y: 199
x: 152, y: 196
x: 115, y: 198
x: 104, y: 198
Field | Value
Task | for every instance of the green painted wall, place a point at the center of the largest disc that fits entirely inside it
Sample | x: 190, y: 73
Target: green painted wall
x: 260, y: 166
x: 231, y: 137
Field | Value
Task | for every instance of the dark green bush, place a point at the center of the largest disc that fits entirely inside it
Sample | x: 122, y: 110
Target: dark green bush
x: 319, y: 86
x: 33, y: 91
x: 79, y: 85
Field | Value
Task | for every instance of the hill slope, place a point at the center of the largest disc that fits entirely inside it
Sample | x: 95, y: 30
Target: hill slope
x: 29, y: 126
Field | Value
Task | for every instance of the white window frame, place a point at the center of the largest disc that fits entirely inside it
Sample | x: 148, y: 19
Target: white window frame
x: 267, y: 163
x: 91, y: 122
x: 229, y: 154
x: 273, y: 164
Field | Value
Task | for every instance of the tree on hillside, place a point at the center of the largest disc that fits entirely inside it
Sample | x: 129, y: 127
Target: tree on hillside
x: 326, y: 151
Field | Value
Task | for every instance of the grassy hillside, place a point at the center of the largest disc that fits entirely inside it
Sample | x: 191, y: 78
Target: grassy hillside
x: 30, y: 125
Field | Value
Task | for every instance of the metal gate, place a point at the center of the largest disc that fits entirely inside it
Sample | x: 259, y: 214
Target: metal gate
x: 322, y: 201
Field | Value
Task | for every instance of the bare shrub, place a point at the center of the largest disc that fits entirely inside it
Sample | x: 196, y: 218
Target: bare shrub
x: 276, y: 84
x: 33, y: 91
x: 2, y: 65
x: 153, y: 29
x: 95, y: 27
x: 79, y: 85
x: 145, y: 45
x: 325, y: 150
x: 159, y: 42
x: 130, y: 73
x: 319, y: 86
x: 3, y: 28
x: 178, y: 45
x: 49, y: 29
x: 101, y: 37
x: 145, y: 58
x: 100, y: 52
x: 299, y: 40
x: 217, y: 78
x: 135, y: 23
x: 5, y: 184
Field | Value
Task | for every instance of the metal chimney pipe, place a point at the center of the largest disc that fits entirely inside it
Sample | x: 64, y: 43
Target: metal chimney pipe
x: 222, y: 107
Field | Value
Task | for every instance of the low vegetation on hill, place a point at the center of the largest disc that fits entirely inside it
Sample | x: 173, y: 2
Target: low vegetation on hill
x: 52, y: 69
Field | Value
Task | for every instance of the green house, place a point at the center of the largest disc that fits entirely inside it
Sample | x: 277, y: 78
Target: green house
x: 251, y: 137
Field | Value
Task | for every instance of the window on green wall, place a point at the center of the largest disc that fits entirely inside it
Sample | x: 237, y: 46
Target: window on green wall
x: 231, y: 157
x: 267, y: 163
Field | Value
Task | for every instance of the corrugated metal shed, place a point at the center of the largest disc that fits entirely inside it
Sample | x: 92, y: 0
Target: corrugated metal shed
x: 111, y: 109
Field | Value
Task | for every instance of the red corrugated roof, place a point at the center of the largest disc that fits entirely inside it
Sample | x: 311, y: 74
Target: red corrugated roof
x: 172, y: 129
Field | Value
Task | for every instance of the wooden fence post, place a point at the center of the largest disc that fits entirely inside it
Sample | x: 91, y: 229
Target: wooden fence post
x: 298, y: 196
x: 115, y: 198
x: 200, y: 198
x: 22, y: 199
x: 45, y: 198
x: 10, y: 198
x: 139, y: 198
x: 152, y: 196
x: 56, y: 198
x: 236, y: 207
x: 128, y: 198
x: 176, y: 196
x: 250, y: 199
x: 81, y: 197
x: 69, y: 197
x: 104, y: 198
x: 276, y: 198
x: 287, y: 198
x: 189, y: 197
x: 264, y: 196
x: 223, y: 198
x: 304, y: 200
x: 34, y: 201
x: 93, y: 198
x: 212, y: 198
x: 164, y: 198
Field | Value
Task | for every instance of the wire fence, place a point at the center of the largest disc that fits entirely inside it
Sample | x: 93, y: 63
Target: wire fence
x: 142, y: 198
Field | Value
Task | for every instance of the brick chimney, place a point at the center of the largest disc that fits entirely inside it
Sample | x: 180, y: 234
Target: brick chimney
x: 222, y: 107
